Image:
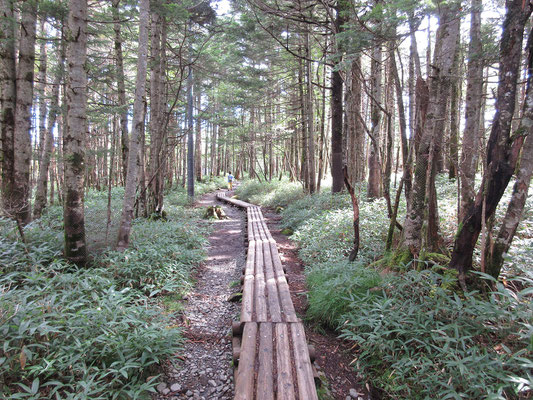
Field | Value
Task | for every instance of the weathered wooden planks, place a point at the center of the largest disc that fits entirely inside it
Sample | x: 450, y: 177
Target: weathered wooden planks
x: 269, y: 354
x: 273, y: 357
x: 244, y: 385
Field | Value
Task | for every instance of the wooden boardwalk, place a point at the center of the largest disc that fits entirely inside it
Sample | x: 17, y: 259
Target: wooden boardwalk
x: 269, y: 346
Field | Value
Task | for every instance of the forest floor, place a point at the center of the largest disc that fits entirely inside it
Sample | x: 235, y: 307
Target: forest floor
x: 205, y: 371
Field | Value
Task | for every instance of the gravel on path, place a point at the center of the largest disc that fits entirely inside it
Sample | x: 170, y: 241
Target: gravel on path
x: 206, y: 371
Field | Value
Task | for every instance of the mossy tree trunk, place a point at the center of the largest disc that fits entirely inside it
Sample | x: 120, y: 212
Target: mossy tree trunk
x: 74, y: 136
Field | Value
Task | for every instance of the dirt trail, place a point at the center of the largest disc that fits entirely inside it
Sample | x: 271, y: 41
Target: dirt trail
x: 206, y: 373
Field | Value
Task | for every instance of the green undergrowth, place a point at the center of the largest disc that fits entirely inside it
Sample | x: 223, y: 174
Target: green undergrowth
x: 277, y: 193
x: 99, y: 332
x: 416, y: 335
x: 418, y: 340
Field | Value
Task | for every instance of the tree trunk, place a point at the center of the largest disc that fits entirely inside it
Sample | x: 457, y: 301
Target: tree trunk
x: 401, y: 115
x: 455, y: 110
x: 156, y: 132
x: 46, y: 153
x: 304, y: 174
x: 121, y: 88
x: 337, y: 108
x: 41, y: 87
x: 310, y: 119
x: 74, y: 136
x: 474, y: 95
x: 8, y: 100
x: 198, y: 142
x: 251, y: 172
x: 502, y: 149
x: 137, y: 129
x: 355, y: 222
x: 374, y: 163
x: 355, y: 140
x: 515, y: 209
x: 389, y: 143
x: 24, y: 95
x: 190, y: 127
x: 422, y: 193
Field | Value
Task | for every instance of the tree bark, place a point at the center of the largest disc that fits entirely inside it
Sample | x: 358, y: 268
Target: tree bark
x: 190, y: 127
x: 156, y: 140
x: 74, y: 137
x: 422, y: 189
x: 337, y: 108
x: 137, y: 129
x: 515, y: 209
x: 41, y: 86
x: 198, y: 142
x: 374, y: 163
x: 121, y: 88
x: 355, y: 222
x: 502, y: 149
x: 8, y: 101
x: 455, y: 110
x: 24, y: 90
x: 46, y: 153
x: 355, y: 140
x: 474, y: 95
x: 310, y: 119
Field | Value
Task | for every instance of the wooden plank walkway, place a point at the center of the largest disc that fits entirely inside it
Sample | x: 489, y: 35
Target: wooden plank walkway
x: 269, y: 345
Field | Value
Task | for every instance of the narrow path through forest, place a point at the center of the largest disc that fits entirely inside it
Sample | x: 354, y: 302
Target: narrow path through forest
x: 205, y: 372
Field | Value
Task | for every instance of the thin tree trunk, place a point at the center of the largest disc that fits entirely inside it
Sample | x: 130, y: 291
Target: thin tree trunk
x: 198, y: 142
x: 190, y: 127
x: 455, y: 110
x: 474, y: 95
x: 156, y: 140
x: 41, y: 87
x: 137, y: 128
x: 44, y: 163
x: 121, y: 88
x: 374, y: 164
x: 304, y: 174
x: 402, y: 119
x: 310, y: 119
x: 355, y: 207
